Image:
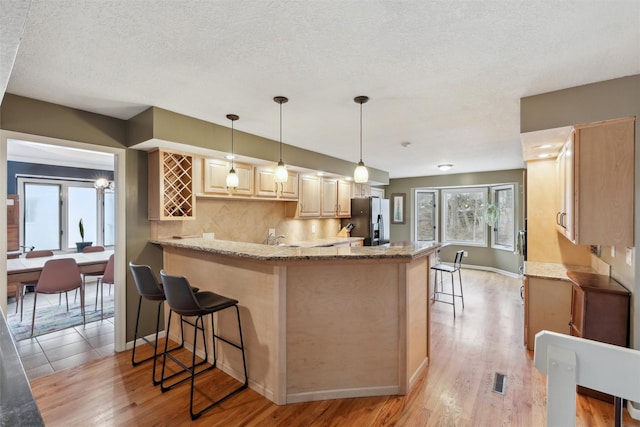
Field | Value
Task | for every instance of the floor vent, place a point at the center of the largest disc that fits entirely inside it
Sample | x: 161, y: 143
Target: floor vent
x: 499, y: 383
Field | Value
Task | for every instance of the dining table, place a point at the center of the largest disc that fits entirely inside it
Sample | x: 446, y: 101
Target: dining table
x: 24, y: 269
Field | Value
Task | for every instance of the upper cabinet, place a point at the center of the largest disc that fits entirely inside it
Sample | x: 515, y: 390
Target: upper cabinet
x: 215, y: 178
x: 377, y: 192
x: 171, y: 195
x: 596, y: 173
x: 345, y: 192
x: 361, y: 190
x: 309, y: 197
x: 266, y: 186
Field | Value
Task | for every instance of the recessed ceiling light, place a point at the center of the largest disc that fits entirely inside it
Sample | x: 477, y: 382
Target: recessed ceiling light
x: 445, y: 166
x: 405, y: 144
x: 544, y: 155
x: 544, y: 146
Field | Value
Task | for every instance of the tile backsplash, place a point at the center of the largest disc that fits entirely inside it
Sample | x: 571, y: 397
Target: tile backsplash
x: 245, y: 220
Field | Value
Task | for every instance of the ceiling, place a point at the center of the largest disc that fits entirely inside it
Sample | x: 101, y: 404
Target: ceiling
x: 444, y: 77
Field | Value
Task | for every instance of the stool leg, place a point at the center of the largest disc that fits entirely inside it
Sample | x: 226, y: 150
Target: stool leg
x: 461, y: 293
x: 453, y: 296
x: 244, y: 385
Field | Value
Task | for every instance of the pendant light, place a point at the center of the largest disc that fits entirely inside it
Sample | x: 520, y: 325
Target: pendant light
x: 232, y: 177
x: 281, y: 174
x: 361, y: 174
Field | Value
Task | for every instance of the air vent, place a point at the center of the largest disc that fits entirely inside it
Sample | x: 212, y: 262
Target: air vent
x: 499, y: 383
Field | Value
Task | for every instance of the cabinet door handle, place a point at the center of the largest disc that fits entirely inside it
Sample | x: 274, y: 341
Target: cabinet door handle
x: 570, y: 323
x: 558, y: 218
x: 562, y: 216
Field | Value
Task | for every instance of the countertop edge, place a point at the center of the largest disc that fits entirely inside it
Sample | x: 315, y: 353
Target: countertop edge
x: 261, y: 252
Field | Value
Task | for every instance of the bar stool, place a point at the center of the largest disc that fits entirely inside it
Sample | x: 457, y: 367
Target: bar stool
x: 444, y: 268
x: 186, y: 303
x: 149, y: 288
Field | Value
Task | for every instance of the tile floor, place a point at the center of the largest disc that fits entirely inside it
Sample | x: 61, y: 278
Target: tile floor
x: 67, y: 348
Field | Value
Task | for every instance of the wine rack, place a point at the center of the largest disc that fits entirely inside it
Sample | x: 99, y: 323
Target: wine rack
x: 171, y: 194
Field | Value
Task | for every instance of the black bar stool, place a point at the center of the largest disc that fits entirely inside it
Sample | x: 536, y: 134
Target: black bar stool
x: 444, y: 268
x: 149, y: 288
x: 186, y: 303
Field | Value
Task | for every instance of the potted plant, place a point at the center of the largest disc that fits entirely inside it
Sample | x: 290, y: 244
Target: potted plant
x: 81, y: 245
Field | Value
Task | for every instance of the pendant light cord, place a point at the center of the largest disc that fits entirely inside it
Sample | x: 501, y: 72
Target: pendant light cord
x: 232, y: 152
x: 280, y: 131
x: 361, y: 132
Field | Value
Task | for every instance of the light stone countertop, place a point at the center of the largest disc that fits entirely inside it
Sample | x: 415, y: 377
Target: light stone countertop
x: 262, y: 252
x: 550, y: 270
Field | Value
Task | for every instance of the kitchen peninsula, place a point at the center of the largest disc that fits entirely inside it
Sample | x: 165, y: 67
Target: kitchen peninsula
x: 318, y: 322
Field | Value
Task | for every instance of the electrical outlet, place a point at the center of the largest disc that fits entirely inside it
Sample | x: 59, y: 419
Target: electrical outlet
x: 630, y: 256
x: 613, y: 251
x: 466, y: 254
x: 313, y: 228
x: 272, y: 232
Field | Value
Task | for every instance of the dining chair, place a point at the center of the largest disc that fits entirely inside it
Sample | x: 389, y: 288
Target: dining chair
x: 97, y: 274
x: 58, y: 275
x: 108, y: 278
x: 23, y: 285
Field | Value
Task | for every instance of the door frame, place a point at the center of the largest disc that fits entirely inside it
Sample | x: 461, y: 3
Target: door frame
x: 120, y: 237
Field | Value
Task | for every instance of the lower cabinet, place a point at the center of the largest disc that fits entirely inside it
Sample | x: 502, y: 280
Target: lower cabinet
x: 547, y: 306
x: 599, y: 312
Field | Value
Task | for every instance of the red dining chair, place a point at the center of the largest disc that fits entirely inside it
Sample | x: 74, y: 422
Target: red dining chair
x: 58, y: 275
x: 23, y: 285
x: 106, y: 279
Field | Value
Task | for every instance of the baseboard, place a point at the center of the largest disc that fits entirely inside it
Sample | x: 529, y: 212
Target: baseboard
x: 491, y: 269
x: 150, y: 337
x: 634, y: 409
x: 346, y: 393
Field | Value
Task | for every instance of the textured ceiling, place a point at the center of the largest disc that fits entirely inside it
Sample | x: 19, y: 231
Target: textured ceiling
x: 445, y: 76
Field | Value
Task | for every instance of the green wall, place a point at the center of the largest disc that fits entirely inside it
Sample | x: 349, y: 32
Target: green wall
x: 486, y: 257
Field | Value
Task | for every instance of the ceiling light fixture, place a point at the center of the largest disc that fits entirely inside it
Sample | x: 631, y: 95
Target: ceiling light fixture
x: 361, y: 174
x: 232, y: 176
x: 102, y: 184
x: 281, y: 174
x: 445, y: 166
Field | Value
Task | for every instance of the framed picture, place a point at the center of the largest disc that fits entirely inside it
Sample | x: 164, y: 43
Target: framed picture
x: 397, y: 208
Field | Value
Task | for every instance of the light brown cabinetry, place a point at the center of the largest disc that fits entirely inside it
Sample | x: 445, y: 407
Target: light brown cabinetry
x: 309, y: 203
x: 171, y: 195
x: 336, y: 198
x: 596, y: 170
x: 599, y: 312
x: 377, y: 192
x: 215, y: 178
x: 361, y: 190
x: 266, y: 186
x: 13, y: 223
x: 547, y: 306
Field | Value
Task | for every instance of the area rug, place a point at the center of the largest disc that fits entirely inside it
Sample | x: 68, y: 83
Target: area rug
x: 52, y: 318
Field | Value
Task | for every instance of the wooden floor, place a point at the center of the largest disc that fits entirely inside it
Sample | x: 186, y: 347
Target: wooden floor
x: 456, y: 390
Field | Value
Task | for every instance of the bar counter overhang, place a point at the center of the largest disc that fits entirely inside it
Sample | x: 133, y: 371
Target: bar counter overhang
x: 318, y: 323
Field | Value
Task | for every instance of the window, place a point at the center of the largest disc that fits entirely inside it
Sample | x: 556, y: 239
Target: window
x: 504, y: 226
x: 53, y: 208
x: 426, y: 215
x: 463, y: 210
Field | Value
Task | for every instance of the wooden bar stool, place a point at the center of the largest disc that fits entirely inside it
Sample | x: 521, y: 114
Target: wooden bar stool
x: 444, y: 268
x: 186, y: 303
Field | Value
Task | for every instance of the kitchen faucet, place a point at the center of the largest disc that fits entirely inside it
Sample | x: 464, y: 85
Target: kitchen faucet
x: 272, y: 239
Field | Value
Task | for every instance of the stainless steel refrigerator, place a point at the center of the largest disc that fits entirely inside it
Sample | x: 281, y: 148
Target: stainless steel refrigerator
x: 370, y: 219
